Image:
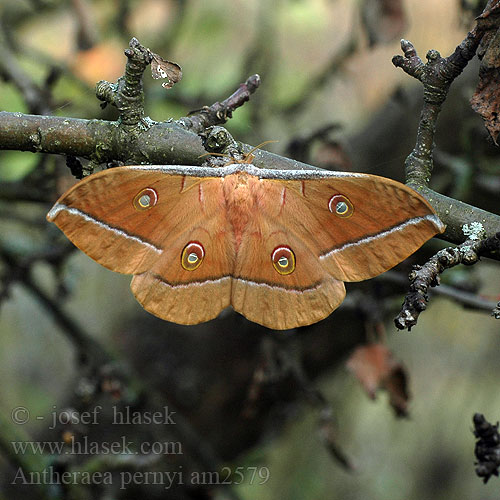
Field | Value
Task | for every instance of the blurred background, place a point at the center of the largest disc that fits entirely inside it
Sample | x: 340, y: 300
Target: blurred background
x: 73, y: 337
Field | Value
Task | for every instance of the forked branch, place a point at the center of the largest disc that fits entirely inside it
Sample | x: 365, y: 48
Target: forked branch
x: 428, y: 275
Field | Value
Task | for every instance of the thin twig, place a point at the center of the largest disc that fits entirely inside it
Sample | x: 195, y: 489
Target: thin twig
x: 127, y: 94
x: 220, y: 112
x: 428, y: 275
x: 467, y: 299
x: 89, y: 351
x: 38, y: 100
x: 280, y: 362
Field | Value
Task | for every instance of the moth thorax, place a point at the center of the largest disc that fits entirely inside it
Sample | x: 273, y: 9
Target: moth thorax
x: 241, y: 194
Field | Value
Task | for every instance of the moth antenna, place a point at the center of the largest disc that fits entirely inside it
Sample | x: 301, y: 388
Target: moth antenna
x: 249, y: 156
x: 211, y: 154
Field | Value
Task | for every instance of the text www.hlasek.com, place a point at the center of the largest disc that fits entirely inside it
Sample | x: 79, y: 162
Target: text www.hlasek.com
x: 86, y: 447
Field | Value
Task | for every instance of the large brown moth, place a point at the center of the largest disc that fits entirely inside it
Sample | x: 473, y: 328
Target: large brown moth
x: 276, y: 245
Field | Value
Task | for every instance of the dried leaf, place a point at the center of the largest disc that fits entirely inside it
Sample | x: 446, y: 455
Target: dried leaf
x: 384, y: 20
x: 161, y: 68
x: 486, y: 99
x: 375, y: 368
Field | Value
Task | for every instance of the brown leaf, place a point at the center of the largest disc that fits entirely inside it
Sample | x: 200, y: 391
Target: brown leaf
x: 375, y: 368
x: 161, y: 68
x: 486, y: 99
x: 384, y: 20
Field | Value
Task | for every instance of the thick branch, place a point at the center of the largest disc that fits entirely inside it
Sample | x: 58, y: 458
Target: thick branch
x: 162, y: 144
x: 455, y: 214
x: 168, y: 143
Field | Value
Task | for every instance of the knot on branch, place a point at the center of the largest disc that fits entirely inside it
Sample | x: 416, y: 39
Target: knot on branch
x: 448, y: 257
x: 424, y: 277
x: 218, y: 140
x: 138, y: 55
x: 411, y: 62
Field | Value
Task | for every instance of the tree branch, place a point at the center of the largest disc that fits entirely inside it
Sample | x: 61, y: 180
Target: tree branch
x: 423, y: 277
x: 89, y: 351
x: 436, y: 75
x: 220, y: 112
x: 136, y: 139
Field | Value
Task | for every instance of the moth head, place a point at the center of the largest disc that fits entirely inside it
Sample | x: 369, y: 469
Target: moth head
x: 246, y: 158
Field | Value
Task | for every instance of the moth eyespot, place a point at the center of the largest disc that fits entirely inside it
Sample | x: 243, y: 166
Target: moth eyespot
x: 192, y: 256
x: 283, y: 260
x: 145, y: 199
x: 341, y: 206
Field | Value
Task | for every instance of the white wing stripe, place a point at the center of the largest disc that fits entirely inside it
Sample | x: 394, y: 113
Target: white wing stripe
x: 58, y: 207
x: 262, y: 173
x: 241, y: 280
x: 364, y: 241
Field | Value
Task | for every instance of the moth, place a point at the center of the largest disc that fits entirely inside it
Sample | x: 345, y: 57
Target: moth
x: 276, y: 245
x: 161, y: 68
